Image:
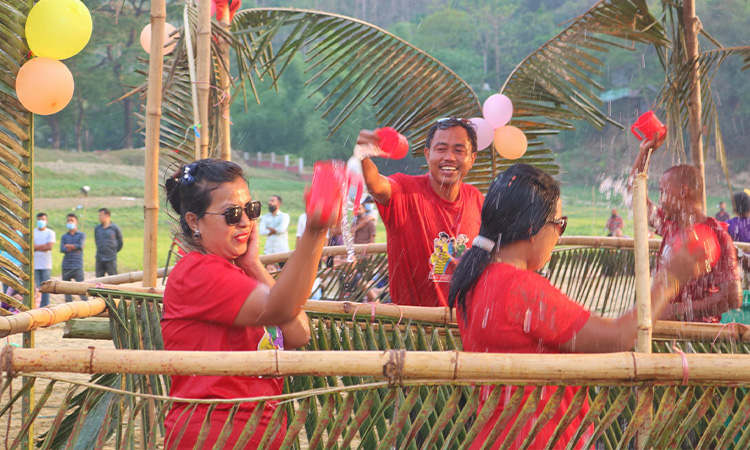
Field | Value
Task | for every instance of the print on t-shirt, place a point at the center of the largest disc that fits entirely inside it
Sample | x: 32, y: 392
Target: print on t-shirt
x: 447, y: 249
x: 272, y: 339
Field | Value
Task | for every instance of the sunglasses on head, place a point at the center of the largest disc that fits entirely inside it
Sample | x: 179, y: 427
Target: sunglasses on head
x: 562, y: 223
x: 233, y: 214
x: 453, y: 119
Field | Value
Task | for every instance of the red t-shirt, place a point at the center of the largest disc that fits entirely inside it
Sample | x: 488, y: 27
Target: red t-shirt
x: 203, y: 296
x: 426, y: 235
x: 725, y: 270
x: 518, y: 311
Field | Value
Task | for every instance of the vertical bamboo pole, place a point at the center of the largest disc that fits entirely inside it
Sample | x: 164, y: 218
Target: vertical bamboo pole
x: 153, y: 122
x: 225, y: 83
x: 692, y: 29
x: 642, y: 280
x: 204, y: 71
x: 191, y: 70
x: 27, y: 403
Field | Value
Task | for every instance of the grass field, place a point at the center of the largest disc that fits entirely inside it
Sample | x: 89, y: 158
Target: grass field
x: 116, y: 181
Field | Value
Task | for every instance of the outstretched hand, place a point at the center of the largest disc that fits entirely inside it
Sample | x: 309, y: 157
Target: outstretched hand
x: 368, y: 145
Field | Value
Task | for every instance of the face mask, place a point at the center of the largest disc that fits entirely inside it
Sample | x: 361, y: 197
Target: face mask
x: 369, y: 207
x: 71, y: 226
x: 41, y: 224
x: 271, y: 208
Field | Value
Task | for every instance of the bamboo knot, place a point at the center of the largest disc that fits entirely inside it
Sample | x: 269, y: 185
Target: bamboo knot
x: 394, y: 368
x: 7, y: 361
x: 91, y: 359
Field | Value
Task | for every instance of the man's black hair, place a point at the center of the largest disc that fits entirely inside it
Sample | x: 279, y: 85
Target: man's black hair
x: 444, y: 124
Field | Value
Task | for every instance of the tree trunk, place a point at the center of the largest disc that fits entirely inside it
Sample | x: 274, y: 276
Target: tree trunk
x: 54, y: 125
x: 692, y: 28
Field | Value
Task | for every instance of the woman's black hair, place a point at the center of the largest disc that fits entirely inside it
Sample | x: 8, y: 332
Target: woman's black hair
x: 189, y: 189
x: 741, y: 204
x: 519, y: 202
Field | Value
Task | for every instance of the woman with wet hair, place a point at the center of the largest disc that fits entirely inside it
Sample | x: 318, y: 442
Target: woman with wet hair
x: 504, y: 306
x: 219, y: 297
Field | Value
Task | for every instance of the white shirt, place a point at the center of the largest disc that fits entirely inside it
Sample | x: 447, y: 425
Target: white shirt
x: 43, y: 260
x: 301, y: 224
x: 279, y: 242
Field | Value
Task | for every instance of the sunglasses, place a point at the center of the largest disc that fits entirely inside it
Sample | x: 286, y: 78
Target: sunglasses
x: 562, y: 223
x: 233, y: 214
x: 453, y: 119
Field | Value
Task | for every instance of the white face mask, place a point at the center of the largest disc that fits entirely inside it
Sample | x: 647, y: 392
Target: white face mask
x: 41, y: 224
x: 71, y: 226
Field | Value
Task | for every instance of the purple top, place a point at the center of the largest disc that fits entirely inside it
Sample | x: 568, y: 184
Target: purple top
x: 739, y: 229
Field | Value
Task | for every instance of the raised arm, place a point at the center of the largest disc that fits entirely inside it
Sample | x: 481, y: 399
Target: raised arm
x: 640, y: 165
x: 377, y: 185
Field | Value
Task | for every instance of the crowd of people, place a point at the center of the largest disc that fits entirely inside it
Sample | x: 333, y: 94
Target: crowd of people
x: 447, y: 245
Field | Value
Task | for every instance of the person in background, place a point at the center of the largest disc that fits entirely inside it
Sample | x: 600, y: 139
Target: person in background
x: 301, y: 223
x: 702, y: 299
x: 722, y: 215
x: 739, y: 226
x: 371, y: 209
x: 505, y: 306
x: 614, y: 223
x: 44, y: 240
x: 71, y: 244
x: 275, y: 225
x: 423, y: 214
x: 219, y: 297
x: 363, y: 228
x: 108, y: 238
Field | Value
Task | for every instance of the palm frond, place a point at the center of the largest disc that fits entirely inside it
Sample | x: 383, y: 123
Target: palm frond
x: 16, y: 159
x: 556, y: 85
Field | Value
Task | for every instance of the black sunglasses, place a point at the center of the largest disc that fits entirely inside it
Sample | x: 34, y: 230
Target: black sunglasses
x: 562, y: 222
x: 233, y: 214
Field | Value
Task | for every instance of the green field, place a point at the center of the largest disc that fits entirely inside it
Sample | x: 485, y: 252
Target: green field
x: 116, y: 182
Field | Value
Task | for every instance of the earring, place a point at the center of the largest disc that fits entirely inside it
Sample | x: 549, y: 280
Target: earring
x: 197, y: 234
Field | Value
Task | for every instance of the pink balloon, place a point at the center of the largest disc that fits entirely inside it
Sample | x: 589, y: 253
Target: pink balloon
x: 213, y: 8
x: 485, y: 132
x: 497, y: 110
x: 510, y: 142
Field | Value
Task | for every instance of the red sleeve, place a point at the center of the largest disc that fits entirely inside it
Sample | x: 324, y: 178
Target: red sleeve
x: 212, y: 290
x: 543, y: 312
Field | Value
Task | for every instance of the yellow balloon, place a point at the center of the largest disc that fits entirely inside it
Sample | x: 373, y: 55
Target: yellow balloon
x: 58, y: 29
x: 510, y: 142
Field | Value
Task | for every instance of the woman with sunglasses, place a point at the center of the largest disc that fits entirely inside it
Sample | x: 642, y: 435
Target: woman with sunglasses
x: 219, y: 297
x: 504, y: 306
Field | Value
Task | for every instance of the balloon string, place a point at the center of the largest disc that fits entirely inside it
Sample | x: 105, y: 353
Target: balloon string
x: 224, y: 96
x: 187, y: 130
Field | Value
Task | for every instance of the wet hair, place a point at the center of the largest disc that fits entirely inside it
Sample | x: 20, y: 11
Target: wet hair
x: 741, y: 204
x: 73, y: 216
x: 189, y: 189
x: 41, y: 214
x: 518, y: 204
x: 453, y: 121
x: 687, y: 175
x: 106, y: 211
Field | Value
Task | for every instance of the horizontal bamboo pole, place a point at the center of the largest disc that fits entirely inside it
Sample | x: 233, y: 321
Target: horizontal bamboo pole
x: 438, y: 315
x: 615, y: 242
x: 82, y: 288
x: 337, y: 250
x: 45, y: 317
x: 573, y: 369
x: 129, y: 277
x: 89, y: 328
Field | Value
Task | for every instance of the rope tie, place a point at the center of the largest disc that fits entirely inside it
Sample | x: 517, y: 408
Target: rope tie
x: 685, y: 368
x: 732, y: 329
x: 394, y: 368
x: 372, y: 311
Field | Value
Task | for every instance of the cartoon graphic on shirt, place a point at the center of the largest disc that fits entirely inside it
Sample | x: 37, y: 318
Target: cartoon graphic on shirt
x: 272, y: 339
x: 446, y: 249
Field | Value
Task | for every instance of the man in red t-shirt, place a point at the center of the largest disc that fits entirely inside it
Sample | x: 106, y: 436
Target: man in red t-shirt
x: 429, y: 219
x: 681, y: 208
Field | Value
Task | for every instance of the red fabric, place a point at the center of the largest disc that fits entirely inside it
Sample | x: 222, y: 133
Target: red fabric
x: 204, y: 293
x: 518, y: 311
x: 234, y: 6
x: 426, y: 235
x: 726, y: 270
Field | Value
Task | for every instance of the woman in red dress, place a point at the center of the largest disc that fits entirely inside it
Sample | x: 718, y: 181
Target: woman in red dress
x: 504, y: 306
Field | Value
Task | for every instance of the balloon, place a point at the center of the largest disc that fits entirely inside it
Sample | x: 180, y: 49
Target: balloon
x: 497, y: 110
x: 168, y: 29
x: 58, y: 29
x: 510, y: 142
x: 44, y: 86
x: 485, y: 132
x: 213, y: 8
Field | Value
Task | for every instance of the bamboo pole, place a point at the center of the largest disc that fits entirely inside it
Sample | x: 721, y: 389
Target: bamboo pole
x: 225, y: 81
x: 76, y: 288
x: 45, y: 317
x: 337, y: 250
x: 566, y: 369
x: 87, y: 329
x: 153, y: 121
x: 204, y: 73
x: 191, y: 71
x: 129, y: 277
x: 642, y: 271
x: 692, y: 27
